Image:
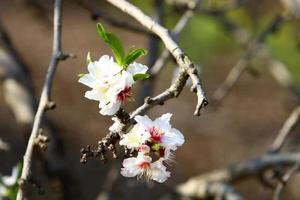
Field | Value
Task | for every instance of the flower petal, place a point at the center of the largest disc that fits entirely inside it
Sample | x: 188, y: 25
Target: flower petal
x: 137, y: 68
x: 144, y: 121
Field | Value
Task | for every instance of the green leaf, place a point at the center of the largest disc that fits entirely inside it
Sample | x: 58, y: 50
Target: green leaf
x: 140, y: 76
x: 88, y: 58
x: 20, y: 168
x: 81, y: 75
x: 133, y: 55
x: 114, y: 43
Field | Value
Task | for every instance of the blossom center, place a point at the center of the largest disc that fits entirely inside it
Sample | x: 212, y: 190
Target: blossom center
x: 155, y: 134
x: 144, y: 165
x: 124, y: 94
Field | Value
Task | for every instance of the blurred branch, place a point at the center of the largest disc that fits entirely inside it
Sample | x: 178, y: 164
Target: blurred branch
x: 197, y: 186
x: 109, y: 182
x: 146, y: 88
x: 252, y: 49
x: 97, y: 13
x: 17, y: 88
x: 287, y: 127
x: 165, y: 55
x: 4, y: 146
x: 44, y: 104
x: 285, y: 179
x: 183, y: 61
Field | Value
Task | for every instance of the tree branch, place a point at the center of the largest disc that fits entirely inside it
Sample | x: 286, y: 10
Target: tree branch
x: 285, y: 179
x: 183, y: 61
x: 197, y: 186
x: 164, y: 56
x: 45, y: 101
x: 287, y: 127
x: 241, y: 65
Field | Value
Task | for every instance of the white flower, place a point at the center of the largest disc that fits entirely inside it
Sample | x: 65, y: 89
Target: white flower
x: 136, y: 166
x: 135, y: 138
x: 8, y: 181
x: 160, y: 131
x: 142, y: 166
x: 159, y: 172
x: 110, y: 83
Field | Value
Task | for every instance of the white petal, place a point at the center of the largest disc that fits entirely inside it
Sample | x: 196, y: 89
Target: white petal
x: 88, y: 80
x: 143, y: 158
x: 166, y: 117
x: 172, y: 139
x: 129, y: 162
x: 93, y: 95
x: 144, y: 121
x: 130, y: 172
x: 163, y: 122
x: 159, y: 172
x: 137, y: 68
x: 11, y: 180
x: 110, y: 108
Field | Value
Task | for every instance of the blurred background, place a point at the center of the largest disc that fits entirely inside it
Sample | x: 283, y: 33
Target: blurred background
x: 240, y: 127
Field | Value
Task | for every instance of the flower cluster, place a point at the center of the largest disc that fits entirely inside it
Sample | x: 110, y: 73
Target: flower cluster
x: 154, y: 141
x: 111, y: 83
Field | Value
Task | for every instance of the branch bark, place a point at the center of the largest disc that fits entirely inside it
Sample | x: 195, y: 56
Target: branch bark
x: 44, y: 104
x: 183, y: 61
x: 287, y: 127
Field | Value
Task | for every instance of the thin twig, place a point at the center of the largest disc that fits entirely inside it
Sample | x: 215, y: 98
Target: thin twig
x: 241, y: 65
x: 285, y: 179
x: 165, y: 55
x: 146, y: 88
x: 45, y: 101
x: 287, y: 127
x: 183, y: 61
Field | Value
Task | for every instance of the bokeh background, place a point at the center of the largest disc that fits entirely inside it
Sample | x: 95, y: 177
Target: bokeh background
x: 242, y: 127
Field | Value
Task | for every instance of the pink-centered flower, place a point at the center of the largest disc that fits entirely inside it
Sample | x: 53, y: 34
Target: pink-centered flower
x: 160, y: 131
x: 142, y: 166
x: 110, y: 83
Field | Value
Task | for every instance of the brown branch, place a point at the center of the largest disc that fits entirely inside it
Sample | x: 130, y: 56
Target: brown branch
x: 165, y: 55
x: 283, y: 181
x: 287, y: 127
x: 183, y: 61
x: 196, y: 186
x: 44, y: 104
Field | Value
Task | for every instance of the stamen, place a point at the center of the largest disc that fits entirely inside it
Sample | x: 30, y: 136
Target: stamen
x: 124, y: 94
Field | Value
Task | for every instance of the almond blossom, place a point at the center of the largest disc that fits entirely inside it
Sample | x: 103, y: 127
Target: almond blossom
x: 160, y: 131
x: 142, y: 166
x: 151, y: 139
x: 110, y: 83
